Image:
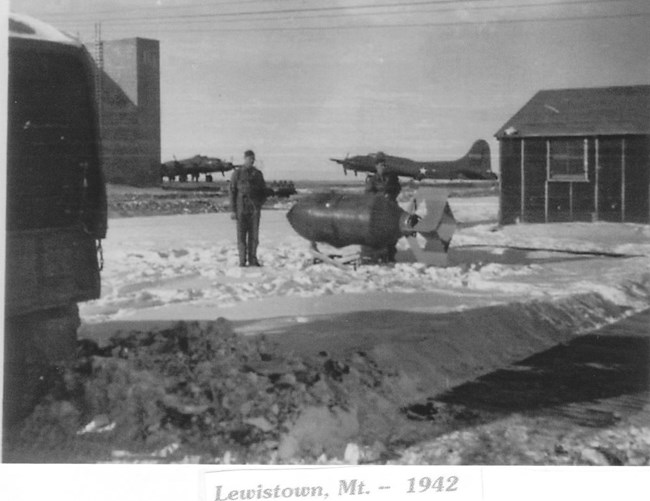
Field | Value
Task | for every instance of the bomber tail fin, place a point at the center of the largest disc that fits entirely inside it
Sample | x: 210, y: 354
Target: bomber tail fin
x: 432, y: 220
x: 479, y: 160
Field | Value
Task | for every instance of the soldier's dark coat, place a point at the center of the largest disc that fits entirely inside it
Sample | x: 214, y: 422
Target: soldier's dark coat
x: 247, y: 195
x: 386, y: 185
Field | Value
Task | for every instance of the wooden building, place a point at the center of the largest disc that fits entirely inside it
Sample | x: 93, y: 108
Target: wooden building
x: 577, y: 155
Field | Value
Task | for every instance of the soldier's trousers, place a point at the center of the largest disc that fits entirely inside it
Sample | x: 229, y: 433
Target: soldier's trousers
x: 248, y: 228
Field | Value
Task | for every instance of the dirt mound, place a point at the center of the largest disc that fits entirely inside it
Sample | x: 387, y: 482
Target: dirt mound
x: 196, y: 391
x: 200, y: 392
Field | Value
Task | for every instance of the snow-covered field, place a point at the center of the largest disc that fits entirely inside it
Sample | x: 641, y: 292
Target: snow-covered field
x: 185, y: 267
x: 350, y: 352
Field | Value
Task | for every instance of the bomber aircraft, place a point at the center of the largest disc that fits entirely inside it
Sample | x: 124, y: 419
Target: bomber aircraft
x: 193, y: 167
x: 474, y: 165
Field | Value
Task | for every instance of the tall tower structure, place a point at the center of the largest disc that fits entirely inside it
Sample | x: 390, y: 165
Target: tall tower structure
x: 130, y: 110
x: 98, y: 54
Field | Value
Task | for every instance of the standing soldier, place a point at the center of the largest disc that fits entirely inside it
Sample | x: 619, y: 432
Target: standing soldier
x: 247, y: 194
x: 384, y: 183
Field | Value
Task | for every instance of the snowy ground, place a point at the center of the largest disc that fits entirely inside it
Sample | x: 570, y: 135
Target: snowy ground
x: 185, y: 267
x: 384, y: 338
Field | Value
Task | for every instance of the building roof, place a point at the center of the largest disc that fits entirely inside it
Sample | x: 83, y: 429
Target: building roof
x: 589, y: 111
x: 22, y: 26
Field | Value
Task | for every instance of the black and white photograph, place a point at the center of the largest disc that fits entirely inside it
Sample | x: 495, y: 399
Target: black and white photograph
x: 327, y: 232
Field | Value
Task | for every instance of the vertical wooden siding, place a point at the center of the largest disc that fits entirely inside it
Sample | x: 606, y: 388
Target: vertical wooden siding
x: 510, y: 181
x: 535, y: 171
x: 609, y: 194
x: 637, y: 179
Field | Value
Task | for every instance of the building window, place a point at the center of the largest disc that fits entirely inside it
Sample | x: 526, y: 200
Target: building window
x: 567, y: 160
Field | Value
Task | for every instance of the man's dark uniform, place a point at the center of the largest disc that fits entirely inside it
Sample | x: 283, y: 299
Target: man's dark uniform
x: 387, y: 184
x: 384, y: 183
x: 247, y: 195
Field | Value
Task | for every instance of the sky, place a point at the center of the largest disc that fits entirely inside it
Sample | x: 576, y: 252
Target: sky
x: 301, y: 81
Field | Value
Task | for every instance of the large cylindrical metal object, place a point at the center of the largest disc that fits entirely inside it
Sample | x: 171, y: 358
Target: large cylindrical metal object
x: 348, y: 219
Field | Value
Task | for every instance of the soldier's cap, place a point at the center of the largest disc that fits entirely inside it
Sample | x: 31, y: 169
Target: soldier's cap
x: 380, y: 158
x: 249, y: 153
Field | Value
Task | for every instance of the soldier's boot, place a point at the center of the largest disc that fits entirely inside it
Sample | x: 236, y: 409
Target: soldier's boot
x: 252, y: 259
x: 370, y: 255
x: 252, y: 250
x: 391, y: 253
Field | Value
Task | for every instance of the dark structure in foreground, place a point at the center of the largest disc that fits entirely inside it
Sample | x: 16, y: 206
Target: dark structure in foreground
x: 577, y: 155
x: 56, y: 205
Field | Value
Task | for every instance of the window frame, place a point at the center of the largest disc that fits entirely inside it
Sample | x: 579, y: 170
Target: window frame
x: 583, y: 176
